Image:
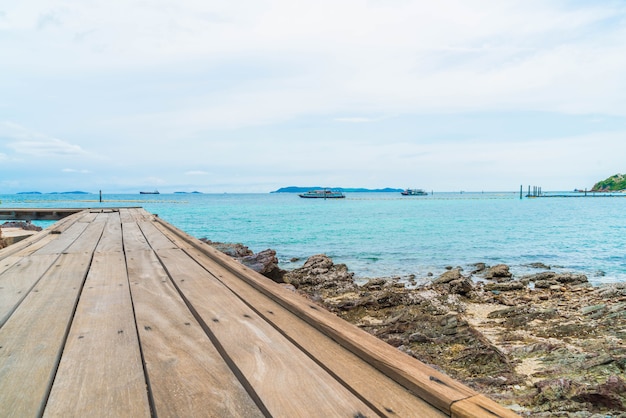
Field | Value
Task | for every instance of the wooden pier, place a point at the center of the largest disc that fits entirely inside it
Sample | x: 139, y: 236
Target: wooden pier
x: 116, y: 313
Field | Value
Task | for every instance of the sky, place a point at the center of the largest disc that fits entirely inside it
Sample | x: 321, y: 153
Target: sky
x: 253, y: 95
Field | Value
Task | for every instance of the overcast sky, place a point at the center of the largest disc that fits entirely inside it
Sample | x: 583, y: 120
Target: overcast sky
x: 250, y: 96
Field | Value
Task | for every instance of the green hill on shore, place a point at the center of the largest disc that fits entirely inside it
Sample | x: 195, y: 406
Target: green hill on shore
x: 612, y: 184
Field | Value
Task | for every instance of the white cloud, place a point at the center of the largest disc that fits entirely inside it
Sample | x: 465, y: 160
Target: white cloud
x: 239, y: 82
x: 31, y: 143
x: 73, y: 170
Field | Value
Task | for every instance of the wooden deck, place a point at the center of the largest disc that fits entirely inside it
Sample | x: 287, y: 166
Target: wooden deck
x: 116, y: 313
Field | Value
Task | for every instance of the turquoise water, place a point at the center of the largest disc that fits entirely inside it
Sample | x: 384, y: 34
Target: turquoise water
x: 385, y: 234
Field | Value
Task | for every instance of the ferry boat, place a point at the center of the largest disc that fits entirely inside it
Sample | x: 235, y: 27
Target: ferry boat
x: 413, y: 192
x: 153, y: 192
x: 322, y: 194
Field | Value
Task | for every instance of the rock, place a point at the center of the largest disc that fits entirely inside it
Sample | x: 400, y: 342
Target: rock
x: 418, y: 337
x: 545, y: 284
x: 461, y: 286
x: 448, y: 276
x: 498, y: 272
x: 234, y: 250
x: 266, y: 263
x: 26, y: 226
x: 505, y: 286
x: 479, y: 267
x: 538, y: 266
x: 320, y: 273
x: 571, y: 278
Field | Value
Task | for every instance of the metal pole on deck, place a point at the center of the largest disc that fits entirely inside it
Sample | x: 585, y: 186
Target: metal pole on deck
x: 520, y: 191
x: 100, y: 196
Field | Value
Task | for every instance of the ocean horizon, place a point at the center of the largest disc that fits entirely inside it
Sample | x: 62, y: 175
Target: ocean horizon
x: 383, y: 234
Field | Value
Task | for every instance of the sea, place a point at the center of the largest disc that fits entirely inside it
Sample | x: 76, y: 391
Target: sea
x: 388, y: 235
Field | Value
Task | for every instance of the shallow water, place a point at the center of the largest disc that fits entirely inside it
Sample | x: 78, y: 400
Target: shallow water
x: 386, y: 234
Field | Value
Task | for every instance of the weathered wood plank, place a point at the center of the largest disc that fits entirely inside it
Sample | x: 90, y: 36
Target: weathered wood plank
x: 156, y: 238
x: 188, y: 377
x: 385, y: 395
x: 87, y: 241
x: 480, y: 406
x: 32, y: 339
x: 34, y: 242
x: 111, y: 240
x: 427, y: 383
x: 133, y: 238
x: 260, y: 352
x: 64, y: 240
x: 17, y: 281
x: 101, y: 371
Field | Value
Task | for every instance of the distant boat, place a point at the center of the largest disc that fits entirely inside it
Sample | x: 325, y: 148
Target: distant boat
x: 153, y: 192
x: 413, y: 192
x: 322, y: 194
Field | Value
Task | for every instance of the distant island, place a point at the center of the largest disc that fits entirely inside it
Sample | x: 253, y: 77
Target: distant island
x: 187, y: 192
x: 298, y: 189
x: 73, y: 192
x: 612, y: 184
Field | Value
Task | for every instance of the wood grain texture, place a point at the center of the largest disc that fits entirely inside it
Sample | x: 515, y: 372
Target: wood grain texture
x: 188, y: 377
x: 427, y: 383
x: 64, y: 240
x: 260, y: 352
x: 111, y: 240
x: 101, y: 372
x: 133, y: 238
x: 156, y: 238
x: 382, y: 393
x: 88, y: 240
x: 17, y: 281
x: 32, y: 339
x: 39, y: 240
x: 480, y: 406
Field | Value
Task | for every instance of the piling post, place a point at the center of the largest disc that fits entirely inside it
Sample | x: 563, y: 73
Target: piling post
x: 520, y: 191
x: 100, y: 196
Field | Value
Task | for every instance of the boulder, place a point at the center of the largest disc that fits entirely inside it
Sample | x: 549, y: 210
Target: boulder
x: 498, y: 272
x: 505, y: 286
x: 448, y: 276
x: 319, y: 272
x: 264, y: 262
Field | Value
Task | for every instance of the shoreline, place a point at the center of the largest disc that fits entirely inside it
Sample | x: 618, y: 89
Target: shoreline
x: 543, y: 346
x: 549, y: 344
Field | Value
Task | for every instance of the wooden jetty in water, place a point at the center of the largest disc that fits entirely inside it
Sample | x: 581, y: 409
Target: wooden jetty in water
x: 116, y: 313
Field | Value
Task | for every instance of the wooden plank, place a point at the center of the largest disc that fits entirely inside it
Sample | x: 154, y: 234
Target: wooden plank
x: 386, y: 396
x: 133, y: 238
x: 156, y: 238
x: 17, y: 281
x: 260, y: 353
x: 427, y: 383
x: 126, y: 215
x: 8, y: 262
x: 32, y: 339
x: 111, y: 240
x: 87, y: 241
x: 188, y: 377
x: 33, y: 243
x: 480, y: 406
x: 101, y: 371
x: 64, y: 239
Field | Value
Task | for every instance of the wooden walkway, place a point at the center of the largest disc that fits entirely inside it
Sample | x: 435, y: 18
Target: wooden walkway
x: 116, y: 313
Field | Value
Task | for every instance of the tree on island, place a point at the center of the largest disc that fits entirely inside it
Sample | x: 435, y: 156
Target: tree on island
x: 612, y: 184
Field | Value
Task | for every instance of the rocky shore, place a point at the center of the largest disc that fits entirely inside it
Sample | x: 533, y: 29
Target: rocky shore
x: 545, y: 345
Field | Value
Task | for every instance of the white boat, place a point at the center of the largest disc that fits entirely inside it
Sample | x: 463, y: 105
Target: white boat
x: 413, y: 192
x: 322, y: 194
